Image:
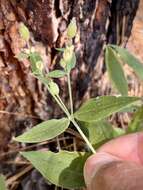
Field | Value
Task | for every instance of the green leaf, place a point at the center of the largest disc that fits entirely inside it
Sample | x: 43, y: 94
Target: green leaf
x: 43, y: 79
x: 100, y: 132
x: 72, y: 29
x: 36, y: 62
x: 60, y: 49
x: 137, y: 122
x: 115, y: 71
x: 118, y: 132
x: 2, y: 183
x: 24, y: 32
x: 97, y: 132
x: 64, y: 169
x: 131, y: 109
x: 131, y: 60
x: 97, y: 109
x: 44, y: 131
x: 56, y: 74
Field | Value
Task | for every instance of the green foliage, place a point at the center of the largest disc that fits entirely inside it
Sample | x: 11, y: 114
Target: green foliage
x: 24, y: 32
x: 56, y: 74
x: 44, y: 131
x: 36, y: 63
x: 115, y: 71
x: 137, y: 122
x: 118, y: 132
x: 99, y: 108
x: 113, y: 57
x: 129, y: 59
x: 64, y: 169
x: 100, y: 132
x: 2, y: 183
x: 60, y: 49
x: 97, y: 132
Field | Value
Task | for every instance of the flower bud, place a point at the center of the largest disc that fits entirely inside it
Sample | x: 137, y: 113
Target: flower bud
x: 53, y: 88
x: 39, y: 66
x: 36, y: 62
x: 72, y: 29
x: 68, y: 52
x: 24, y: 32
x: 63, y: 63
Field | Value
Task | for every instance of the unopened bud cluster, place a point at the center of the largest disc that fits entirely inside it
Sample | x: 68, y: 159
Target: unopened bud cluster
x: 67, y: 62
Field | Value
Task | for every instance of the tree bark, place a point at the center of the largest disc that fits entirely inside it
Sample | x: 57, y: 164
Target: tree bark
x: 99, y: 22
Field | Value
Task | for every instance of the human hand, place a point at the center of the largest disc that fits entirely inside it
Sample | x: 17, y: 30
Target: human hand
x: 117, y: 165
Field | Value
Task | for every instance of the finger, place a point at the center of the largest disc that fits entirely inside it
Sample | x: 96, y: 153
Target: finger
x: 94, y: 162
x: 106, y: 172
x: 128, y: 147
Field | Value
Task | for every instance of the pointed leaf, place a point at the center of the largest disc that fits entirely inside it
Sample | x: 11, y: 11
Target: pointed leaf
x: 131, y: 60
x: 97, y: 132
x: 63, y: 169
x: 2, y: 183
x: 44, y: 131
x: 56, y: 74
x: 97, y: 109
x: 60, y: 49
x: 115, y: 71
x: 137, y: 122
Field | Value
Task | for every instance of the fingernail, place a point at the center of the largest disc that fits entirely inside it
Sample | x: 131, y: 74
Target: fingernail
x: 94, y: 163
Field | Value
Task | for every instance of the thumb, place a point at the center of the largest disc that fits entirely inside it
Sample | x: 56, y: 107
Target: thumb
x: 95, y: 162
x: 107, y: 172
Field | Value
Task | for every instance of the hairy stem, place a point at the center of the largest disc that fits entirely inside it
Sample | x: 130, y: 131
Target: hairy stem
x: 65, y: 110
x: 62, y: 105
x: 70, y: 93
x: 83, y: 136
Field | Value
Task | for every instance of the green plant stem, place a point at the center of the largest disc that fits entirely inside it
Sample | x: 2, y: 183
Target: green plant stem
x: 83, y: 136
x: 56, y: 97
x: 61, y: 104
x: 65, y: 110
x: 72, y: 119
x: 70, y: 92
